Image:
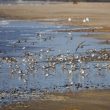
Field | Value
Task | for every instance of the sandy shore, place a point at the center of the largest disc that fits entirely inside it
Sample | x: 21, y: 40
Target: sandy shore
x: 85, y: 100
x: 99, y: 13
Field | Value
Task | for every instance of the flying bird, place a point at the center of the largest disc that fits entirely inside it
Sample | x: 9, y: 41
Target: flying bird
x: 80, y: 45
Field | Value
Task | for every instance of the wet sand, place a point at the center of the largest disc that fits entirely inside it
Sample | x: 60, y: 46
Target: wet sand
x: 84, y: 100
x: 99, y: 13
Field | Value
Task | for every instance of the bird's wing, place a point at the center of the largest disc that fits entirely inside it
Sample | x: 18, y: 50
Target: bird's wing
x: 79, y: 45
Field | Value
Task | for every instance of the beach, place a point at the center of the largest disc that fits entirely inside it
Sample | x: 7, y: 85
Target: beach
x: 84, y: 100
x: 59, y: 14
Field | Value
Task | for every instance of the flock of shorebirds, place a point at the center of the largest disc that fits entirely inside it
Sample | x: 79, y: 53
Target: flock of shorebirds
x: 32, y: 62
x: 84, y: 20
x: 70, y: 64
x: 47, y: 64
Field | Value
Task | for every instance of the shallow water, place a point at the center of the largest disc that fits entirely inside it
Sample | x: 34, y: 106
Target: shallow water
x: 31, y: 44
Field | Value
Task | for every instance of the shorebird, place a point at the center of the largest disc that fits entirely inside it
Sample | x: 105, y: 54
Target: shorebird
x: 83, y: 73
x: 80, y: 45
x: 86, y: 20
x: 70, y: 71
x: 69, y: 33
x: 69, y: 19
x: 24, y: 48
x: 46, y: 74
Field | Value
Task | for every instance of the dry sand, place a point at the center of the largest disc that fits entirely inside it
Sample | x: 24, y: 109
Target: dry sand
x: 99, y: 13
x: 85, y: 100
